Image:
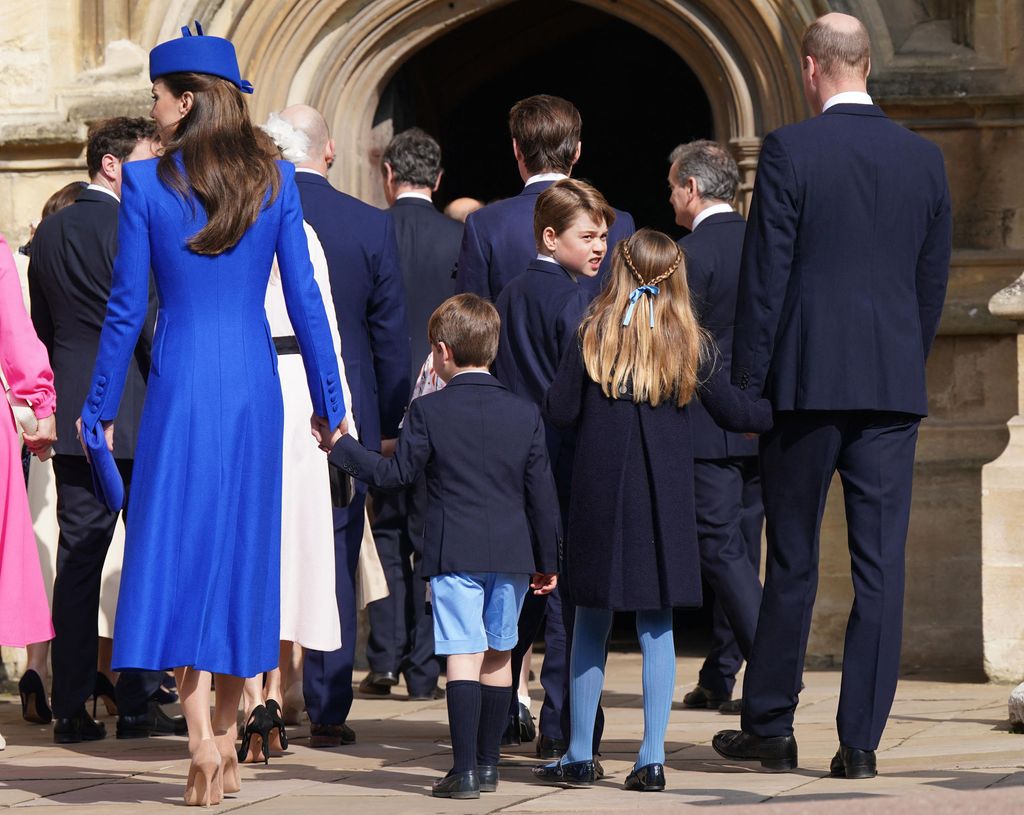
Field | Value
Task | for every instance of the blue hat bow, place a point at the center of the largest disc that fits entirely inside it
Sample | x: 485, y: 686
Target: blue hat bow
x: 200, y: 54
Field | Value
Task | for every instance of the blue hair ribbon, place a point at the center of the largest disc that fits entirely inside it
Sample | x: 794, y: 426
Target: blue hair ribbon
x: 634, y: 298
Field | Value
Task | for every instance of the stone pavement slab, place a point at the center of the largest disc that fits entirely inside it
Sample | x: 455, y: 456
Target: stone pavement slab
x: 946, y: 750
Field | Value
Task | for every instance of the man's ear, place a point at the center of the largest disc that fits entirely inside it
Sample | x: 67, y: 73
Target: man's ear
x: 109, y: 165
x: 515, y: 150
x: 437, y: 183
x: 548, y: 236
x: 579, y: 150
x: 389, y: 173
x: 330, y: 152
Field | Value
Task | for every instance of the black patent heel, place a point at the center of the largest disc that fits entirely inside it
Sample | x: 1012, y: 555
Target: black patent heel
x: 104, y: 689
x: 256, y: 737
x: 276, y: 716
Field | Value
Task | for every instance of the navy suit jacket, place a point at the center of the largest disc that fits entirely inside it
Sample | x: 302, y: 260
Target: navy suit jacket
x: 540, y: 313
x: 69, y: 278
x: 845, y: 265
x: 491, y: 503
x: 498, y: 244
x: 428, y: 247
x: 366, y: 284
x: 713, y: 252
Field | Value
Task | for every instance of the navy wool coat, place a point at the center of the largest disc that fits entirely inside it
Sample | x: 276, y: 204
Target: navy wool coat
x: 491, y: 503
x: 499, y: 243
x: 845, y: 265
x: 632, y: 533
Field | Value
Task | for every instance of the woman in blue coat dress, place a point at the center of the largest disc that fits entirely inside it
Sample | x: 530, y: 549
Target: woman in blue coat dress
x: 201, y: 577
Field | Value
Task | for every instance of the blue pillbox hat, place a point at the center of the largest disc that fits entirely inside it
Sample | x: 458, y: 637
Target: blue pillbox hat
x: 198, y: 54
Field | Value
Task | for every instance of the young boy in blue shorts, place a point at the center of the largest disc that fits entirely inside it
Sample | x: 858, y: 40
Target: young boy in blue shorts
x: 491, y: 531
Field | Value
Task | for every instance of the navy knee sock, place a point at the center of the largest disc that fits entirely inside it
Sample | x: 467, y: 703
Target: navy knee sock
x: 494, y: 706
x: 463, y: 722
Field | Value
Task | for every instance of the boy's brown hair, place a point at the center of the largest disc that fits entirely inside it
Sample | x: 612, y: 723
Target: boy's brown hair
x: 469, y: 326
x: 560, y: 203
x: 546, y: 130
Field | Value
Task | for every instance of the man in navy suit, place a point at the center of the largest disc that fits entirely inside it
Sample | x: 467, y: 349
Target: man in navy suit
x: 498, y: 243
x: 69, y: 279
x: 362, y: 259
x: 401, y: 639
x: 704, y: 178
x: 844, y: 274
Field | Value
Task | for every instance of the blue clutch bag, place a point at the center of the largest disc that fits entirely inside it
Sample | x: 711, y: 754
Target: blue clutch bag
x: 106, y: 478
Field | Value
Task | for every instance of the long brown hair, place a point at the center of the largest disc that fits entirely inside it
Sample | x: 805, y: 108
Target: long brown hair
x: 658, y: 354
x: 226, y: 167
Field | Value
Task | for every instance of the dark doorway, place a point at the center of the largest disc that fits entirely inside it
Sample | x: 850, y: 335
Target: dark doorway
x: 638, y: 100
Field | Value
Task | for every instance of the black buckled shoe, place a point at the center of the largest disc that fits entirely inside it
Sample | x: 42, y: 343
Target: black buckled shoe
x: 701, y: 697
x: 776, y: 753
x: 849, y: 762
x: 649, y: 778
x: 550, y: 748
x: 80, y: 727
x: 573, y: 774
x: 457, y: 785
x: 487, y: 775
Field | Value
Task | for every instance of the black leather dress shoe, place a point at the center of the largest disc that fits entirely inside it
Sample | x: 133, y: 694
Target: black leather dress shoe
x: 154, y: 722
x: 550, y: 748
x: 487, y: 774
x: 80, y: 727
x: 849, y: 762
x: 703, y: 698
x: 731, y: 707
x: 426, y: 696
x: 378, y: 683
x: 330, y: 735
x: 776, y: 753
x: 574, y: 774
x: 649, y: 778
x: 457, y: 785
x: 166, y: 725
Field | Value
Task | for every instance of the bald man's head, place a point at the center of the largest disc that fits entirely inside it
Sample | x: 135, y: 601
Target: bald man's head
x: 311, y: 123
x: 840, y: 45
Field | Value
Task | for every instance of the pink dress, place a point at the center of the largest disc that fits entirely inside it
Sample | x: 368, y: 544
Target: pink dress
x: 24, y: 613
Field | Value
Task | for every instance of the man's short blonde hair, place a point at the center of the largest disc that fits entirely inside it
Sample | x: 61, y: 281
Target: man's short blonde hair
x: 838, y: 53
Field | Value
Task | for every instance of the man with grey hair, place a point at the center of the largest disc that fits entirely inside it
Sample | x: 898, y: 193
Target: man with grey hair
x: 843, y: 278
x: 401, y: 639
x: 362, y: 261
x: 704, y: 179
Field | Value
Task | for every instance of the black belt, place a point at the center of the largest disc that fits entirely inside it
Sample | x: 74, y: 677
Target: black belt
x: 286, y: 345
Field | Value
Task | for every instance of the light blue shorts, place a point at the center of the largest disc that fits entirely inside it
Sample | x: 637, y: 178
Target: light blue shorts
x: 474, y: 611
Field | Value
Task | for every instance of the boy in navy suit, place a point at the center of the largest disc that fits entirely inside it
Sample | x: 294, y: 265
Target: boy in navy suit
x: 491, y: 529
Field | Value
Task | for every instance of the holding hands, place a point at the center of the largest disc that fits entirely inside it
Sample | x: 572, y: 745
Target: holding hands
x: 325, y: 437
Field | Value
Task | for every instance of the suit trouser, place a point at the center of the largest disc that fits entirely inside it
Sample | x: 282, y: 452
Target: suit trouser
x: 86, y: 529
x: 874, y: 454
x: 327, y: 675
x: 727, y: 494
x: 401, y: 638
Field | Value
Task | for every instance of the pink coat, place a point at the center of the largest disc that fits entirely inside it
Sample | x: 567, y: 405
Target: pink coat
x: 24, y: 614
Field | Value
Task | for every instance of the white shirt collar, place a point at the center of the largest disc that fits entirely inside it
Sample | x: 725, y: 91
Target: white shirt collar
x: 848, y: 98
x: 714, y: 209
x: 548, y: 258
x: 460, y: 373
x: 309, y: 170
x: 107, y: 190
x: 533, y: 179
x: 422, y: 196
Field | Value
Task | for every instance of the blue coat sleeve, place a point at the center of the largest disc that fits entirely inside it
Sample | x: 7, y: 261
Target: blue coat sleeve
x: 127, y: 306
x: 564, y: 400
x: 768, y: 248
x: 472, y: 270
x: 392, y: 474
x: 933, y: 268
x: 389, y: 335
x: 306, y: 306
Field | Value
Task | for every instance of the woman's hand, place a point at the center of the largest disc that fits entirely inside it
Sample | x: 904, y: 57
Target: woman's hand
x: 108, y: 433
x: 44, y: 437
x: 325, y: 437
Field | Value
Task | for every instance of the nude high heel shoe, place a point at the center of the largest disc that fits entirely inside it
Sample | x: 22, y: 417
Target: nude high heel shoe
x: 231, y: 779
x: 203, y: 787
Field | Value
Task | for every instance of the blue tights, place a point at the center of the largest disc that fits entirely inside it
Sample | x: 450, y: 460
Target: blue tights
x: 586, y: 667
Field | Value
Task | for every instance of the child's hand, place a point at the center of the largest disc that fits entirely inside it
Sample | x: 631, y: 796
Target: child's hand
x: 543, y: 583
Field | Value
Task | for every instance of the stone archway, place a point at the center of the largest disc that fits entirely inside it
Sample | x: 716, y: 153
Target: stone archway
x: 340, y: 60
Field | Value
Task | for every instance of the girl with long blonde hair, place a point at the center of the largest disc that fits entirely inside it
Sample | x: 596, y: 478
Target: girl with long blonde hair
x: 632, y: 537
